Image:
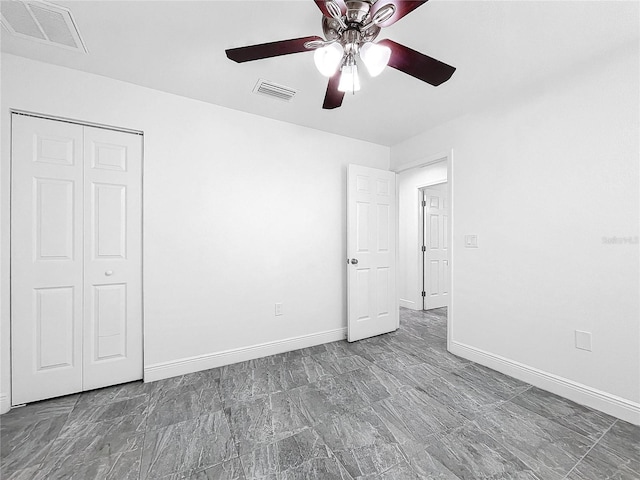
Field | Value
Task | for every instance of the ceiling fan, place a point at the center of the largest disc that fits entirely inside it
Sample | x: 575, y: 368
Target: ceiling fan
x: 349, y: 28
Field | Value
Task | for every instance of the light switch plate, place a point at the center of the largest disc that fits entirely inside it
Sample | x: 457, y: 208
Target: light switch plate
x: 583, y: 340
x: 471, y: 241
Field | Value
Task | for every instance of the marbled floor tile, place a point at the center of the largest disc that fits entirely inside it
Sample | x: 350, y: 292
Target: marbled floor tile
x: 249, y: 380
x: 182, y: 404
x: 124, y: 466
x: 491, y: 381
x: 441, y: 358
x: 463, y: 397
x: 402, y: 471
x: 623, y: 438
x: 471, y: 454
x: 100, y: 441
x: 286, y: 418
x: 416, y: 416
x: 28, y: 473
x: 197, y: 380
x: 584, y: 420
x: 229, y: 470
x: 303, y: 453
x: 395, y: 362
x: 26, y: 443
x: 342, y: 347
x: 547, y: 447
x: 441, y: 311
x: 251, y: 423
x: 604, y: 464
x: 317, y: 469
x: 102, y: 396
x: 361, y: 442
x: 423, y: 464
x: 325, y: 399
x: 96, y: 413
x: 335, y: 362
x: 261, y: 463
x: 295, y: 372
x: 421, y: 328
x: 134, y: 423
x: 187, y: 447
x: 372, y: 383
x: 409, y: 370
x: 370, y: 348
x: 36, y: 411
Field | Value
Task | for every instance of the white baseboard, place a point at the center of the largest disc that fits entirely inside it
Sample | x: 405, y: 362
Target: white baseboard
x: 409, y: 304
x: 5, y: 404
x: 182, y: 366
x: 605, y: 402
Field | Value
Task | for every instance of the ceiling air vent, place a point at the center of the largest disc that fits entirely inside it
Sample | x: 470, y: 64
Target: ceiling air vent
x: 270, y: 89
x: 43, y: 22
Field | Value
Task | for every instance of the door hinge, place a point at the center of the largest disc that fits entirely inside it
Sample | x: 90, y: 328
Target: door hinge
x: 424, y: 248
x: 424, y: 294
x: 424, y: 203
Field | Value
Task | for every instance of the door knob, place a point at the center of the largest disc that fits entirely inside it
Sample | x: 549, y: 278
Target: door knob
x: 354, y: 261
x: 108, y: 273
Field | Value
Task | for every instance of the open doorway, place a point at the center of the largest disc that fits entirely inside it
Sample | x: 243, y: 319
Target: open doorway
x: 424, y: 244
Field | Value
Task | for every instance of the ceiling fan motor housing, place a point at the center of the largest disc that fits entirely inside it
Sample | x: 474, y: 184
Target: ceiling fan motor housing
x: 356, y: 16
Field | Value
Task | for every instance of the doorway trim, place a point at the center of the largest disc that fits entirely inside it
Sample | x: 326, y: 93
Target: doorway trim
x: 447, y: 156
x: 6, y: 397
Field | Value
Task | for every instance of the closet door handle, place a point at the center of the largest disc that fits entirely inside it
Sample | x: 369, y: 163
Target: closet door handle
x: 108, y: 273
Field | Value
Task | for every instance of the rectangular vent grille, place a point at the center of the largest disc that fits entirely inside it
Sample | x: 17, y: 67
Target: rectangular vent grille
x: 270, y: 89
x: 43, y: 22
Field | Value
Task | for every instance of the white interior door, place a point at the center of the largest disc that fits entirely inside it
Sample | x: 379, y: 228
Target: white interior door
x: 371, y: 246
x: 436, y: 251
x: 76, y: 211
x: 112, y: 258
x: 46, y: 259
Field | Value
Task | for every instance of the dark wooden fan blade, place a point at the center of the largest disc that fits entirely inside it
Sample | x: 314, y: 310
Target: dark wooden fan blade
x: 403, y: 7
x: 418, y: 64
x: 322, y: 5
x: 333, y: 97
x: 267, y: 50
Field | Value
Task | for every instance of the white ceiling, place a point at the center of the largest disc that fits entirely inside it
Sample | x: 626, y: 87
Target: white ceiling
x: 498, y: 47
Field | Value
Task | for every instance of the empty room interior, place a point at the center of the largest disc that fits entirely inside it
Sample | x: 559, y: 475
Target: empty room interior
x: 339, y: 239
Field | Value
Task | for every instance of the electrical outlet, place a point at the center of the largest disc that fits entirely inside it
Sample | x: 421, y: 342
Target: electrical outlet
x: 278, y: 309
x: 583, y: 340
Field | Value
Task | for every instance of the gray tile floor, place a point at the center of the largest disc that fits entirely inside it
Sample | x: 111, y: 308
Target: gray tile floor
x: 392, y: 407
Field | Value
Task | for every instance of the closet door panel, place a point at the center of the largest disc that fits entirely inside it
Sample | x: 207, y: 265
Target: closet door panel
x: 112, y: 258
x: 46, y: 258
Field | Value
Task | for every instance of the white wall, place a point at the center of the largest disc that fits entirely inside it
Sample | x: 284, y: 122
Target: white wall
x: 410, y: 237
x: 240, y: 212
x: 542, y: 179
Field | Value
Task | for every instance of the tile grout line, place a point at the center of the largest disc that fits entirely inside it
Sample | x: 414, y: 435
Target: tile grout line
x: 592, y: 447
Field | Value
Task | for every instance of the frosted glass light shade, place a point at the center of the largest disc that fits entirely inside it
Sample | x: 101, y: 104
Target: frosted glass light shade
x: 328, y: 58
x: 375, y: 57
x: 349, y: 80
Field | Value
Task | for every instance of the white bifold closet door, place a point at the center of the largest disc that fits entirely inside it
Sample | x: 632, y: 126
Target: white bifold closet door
x: 76, y: 268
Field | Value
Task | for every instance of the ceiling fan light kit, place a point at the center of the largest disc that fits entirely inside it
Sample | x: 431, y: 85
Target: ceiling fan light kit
x: 350, y: 27
x: 375, y: 57
x: 328, y: 58
x: 349, y: 80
